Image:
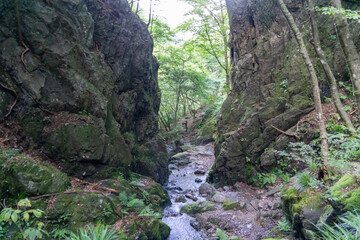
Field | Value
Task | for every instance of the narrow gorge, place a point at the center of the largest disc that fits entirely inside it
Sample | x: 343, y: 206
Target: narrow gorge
x: 85, y: 139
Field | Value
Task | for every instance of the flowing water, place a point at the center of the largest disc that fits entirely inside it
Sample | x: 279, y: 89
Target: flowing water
x: 184, y: 185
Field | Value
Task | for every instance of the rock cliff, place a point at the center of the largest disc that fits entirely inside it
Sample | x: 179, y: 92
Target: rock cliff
x: 270, y: 85
x: 85, y: 84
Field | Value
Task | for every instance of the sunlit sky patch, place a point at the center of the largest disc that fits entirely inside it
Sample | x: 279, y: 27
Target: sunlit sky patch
x: 170, y: 11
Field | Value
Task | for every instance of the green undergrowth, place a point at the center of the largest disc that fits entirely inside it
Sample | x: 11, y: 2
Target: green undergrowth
x: 38, y: 204
x: 314, y: 200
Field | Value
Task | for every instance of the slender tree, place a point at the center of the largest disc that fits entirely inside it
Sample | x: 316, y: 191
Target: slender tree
x: 351, y: 54
x: 329, y: 75
x: 314, y: 80
x: 210, y: 25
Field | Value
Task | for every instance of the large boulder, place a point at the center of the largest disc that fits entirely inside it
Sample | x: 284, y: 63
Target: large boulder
x: 76, y: 210
x: 87, y: 79
x: 22, y: 174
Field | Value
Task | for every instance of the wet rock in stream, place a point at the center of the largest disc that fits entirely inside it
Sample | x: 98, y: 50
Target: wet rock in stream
x: 206, y: 188
x: 181, y: 199
x: 195, y: 224
x: 198, y: 180
x: 181, y: 159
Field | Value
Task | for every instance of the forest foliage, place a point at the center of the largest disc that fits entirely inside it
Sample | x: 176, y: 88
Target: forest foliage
x: 194, y: 59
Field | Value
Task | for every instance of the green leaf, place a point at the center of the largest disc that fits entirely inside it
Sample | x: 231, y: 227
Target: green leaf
x: 37, y: 213
x: 26, y: 216
x: 24, y: 203
x: 40, y: 225
x: 7, y: 216
x: 14, y: 217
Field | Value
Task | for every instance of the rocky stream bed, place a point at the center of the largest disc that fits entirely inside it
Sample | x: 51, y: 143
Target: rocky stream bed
x: 198, y: 208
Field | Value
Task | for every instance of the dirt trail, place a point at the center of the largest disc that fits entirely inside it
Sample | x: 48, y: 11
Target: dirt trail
x: 257, y: 212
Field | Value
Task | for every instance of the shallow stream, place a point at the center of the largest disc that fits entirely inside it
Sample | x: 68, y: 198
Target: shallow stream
x: 183, y: 188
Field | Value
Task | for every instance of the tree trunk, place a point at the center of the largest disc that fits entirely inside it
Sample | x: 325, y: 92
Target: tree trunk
x: 162, y: 120
x: 329, y: 75
x: 350, y: 51
x: 137, y: 7
x: 314, y: 80
x: 227, y: 67
x: 177, y: 105
x: 150, y: 15
x: 226, y: 48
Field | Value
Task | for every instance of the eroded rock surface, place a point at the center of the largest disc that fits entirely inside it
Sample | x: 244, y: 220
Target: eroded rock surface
x: 270, y: 86
x: 87, y: 87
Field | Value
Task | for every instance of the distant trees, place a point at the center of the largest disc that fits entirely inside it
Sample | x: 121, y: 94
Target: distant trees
x: 209, y: 24
x: 182, y: 83
x: 185, y: 81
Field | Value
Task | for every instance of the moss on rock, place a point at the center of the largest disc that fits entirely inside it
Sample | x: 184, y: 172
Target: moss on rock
x: 206, y: 132
x: 346, y: 192
x: 199, y: 207
x: 82, y: 208
x: 304, y: 210
x: 23, y: 174
x: 230, y: 204
x: 158, y: 196
x: 76, y: 142
x: 146, y: 228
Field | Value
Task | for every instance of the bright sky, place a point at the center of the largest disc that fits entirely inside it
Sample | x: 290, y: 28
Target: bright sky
x: 170, y: 11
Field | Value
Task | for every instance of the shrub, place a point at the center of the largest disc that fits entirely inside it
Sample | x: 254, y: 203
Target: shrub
x: 98, y: 232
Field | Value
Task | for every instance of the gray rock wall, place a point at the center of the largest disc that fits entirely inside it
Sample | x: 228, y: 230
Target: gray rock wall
x: 90, y: 82
x: 270, y: 85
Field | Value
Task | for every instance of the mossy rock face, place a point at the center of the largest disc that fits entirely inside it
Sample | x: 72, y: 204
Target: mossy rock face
x: 32, y: 125
x: 346, y: 193
x: 199, y: 207
x: 231, y: 204
x: 146, y: 228
x: 76, y: 142
x: 85, y: 150
x: 119, y: 184
x: 158, y: 196
x: 206, y: 132
x: 22, y: 174
x: 151, y: 159
x: 79, y: 209
x: 305, y: 210
x: 156, y: 230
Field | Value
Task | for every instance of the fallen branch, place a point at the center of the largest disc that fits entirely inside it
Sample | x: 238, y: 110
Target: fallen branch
x: 353, y: 112
x: 53, y: 195
x: 14, y: 103
x: 287, y: 134
x: 106, y: 189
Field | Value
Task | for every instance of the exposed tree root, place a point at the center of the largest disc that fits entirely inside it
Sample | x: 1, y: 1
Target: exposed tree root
x: 23, y: 54
x: 14, y: 103
x: 20, y: 35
